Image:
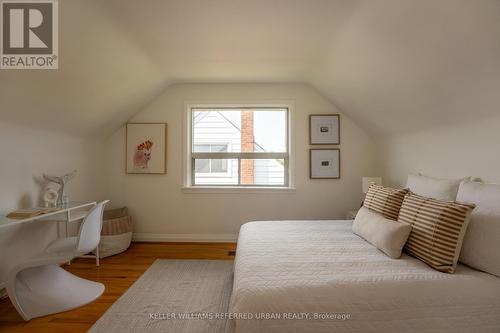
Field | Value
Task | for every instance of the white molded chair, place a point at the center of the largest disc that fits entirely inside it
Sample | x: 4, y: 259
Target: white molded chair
x: 39, y: 286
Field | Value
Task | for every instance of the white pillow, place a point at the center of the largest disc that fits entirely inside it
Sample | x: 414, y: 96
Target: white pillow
x: 436, y: 188
x: 481, y: 246
x: 386, y: 235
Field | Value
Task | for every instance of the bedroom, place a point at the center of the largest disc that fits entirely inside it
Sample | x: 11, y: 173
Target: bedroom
x: 194, y: 118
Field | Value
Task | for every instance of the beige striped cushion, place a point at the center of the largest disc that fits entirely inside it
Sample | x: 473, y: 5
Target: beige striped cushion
x: 385, y: 200
x: 438, y: 229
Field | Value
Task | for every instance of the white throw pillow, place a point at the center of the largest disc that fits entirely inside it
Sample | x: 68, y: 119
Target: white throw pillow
x: 436, y: 188
x: 386, y: 235
x: 481, y: 246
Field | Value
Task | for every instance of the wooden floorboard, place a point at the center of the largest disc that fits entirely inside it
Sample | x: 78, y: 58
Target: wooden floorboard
x: 117, y: 273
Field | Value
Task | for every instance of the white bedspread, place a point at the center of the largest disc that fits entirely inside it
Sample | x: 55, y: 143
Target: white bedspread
x: 293, y: 267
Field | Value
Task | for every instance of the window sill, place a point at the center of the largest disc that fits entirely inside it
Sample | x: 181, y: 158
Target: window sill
x: 237, y: 189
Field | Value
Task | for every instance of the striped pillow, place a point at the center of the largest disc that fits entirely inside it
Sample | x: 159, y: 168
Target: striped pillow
x: 438, y: 229
x: 385, y: 200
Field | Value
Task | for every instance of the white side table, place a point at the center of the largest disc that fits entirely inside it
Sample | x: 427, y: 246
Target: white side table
x: 351, y: 214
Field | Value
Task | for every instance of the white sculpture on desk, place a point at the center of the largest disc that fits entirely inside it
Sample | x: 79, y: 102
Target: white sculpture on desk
x: 50, y: 197
x: 61, y: 181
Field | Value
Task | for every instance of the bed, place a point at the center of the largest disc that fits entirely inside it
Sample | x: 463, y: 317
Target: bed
x: 288, y: 272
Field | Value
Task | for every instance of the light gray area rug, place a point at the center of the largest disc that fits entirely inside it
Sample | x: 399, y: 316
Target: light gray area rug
x: 173, y: 296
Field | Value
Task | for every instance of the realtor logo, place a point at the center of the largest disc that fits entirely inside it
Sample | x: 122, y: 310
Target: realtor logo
x: 29, y: 34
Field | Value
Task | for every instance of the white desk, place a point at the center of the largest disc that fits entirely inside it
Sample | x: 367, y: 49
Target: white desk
x: 72, y: 212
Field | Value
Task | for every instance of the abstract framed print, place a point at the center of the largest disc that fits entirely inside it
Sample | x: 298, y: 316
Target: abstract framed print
x: 324, y: 129
x: 324, y: 163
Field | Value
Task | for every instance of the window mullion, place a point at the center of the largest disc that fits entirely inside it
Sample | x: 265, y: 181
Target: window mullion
x: 246, y: 155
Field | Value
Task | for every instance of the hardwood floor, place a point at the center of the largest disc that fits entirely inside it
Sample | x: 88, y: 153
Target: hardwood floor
x: 117, y: 273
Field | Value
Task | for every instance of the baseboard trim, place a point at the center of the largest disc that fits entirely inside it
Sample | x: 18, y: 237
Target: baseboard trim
x: 210, y: 238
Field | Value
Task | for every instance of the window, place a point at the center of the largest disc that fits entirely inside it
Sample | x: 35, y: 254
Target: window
x: 239, y: 147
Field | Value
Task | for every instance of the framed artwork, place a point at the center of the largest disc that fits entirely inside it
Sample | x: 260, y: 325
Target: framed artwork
x: 146, y: 148
x: 324, y: 163
x: 324, y: 129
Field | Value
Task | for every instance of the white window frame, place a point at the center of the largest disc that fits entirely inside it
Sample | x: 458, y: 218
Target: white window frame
x: 188, y: 164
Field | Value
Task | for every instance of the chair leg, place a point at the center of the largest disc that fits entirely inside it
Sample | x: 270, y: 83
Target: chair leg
x: 43, y: 290
x: 97, y: 256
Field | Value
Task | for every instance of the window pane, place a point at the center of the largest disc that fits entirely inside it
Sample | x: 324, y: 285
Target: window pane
x: 263, y: 172
x: 218, y: 166
x: 202, y: 165
x: 240, y: 130
x: 218, y: 172
x: 202, y: 148
x: 270, y: 131
x: 218, y: 148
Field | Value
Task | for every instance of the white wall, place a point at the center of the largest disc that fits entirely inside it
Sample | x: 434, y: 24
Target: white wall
x: 26, y: 154
x: 453, y: 151
x: 162, y: 210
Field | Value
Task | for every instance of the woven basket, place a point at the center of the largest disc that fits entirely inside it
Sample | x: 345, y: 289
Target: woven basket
x: 116, y: 236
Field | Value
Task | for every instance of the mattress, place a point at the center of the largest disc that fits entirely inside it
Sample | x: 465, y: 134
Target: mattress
x: 317, y: 276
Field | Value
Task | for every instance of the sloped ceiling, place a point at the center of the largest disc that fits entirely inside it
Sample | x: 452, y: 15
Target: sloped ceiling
x: 392, y: 65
